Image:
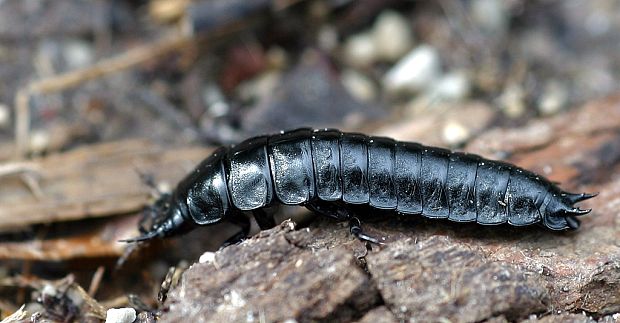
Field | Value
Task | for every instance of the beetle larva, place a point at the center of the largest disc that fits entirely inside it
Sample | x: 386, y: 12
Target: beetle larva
x: 328, y: 171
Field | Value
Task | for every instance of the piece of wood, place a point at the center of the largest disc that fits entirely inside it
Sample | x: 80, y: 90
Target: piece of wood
x: 98, y: 240
x: 93, y: 181
x: 254, y: 278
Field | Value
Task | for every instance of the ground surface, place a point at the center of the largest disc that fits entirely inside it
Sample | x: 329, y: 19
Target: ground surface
x: 98, y: 98
x: 436, y: 270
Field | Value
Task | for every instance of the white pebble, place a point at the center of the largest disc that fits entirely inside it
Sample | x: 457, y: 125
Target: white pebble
x: 5, y: 116
x: 512, y: 101
x: 327, y: 38
x: 207, y: 257
x: 164, y: 187
x: 358, y: 85
x: 78, y: 54
x: 597, y: 21
x: 290, y: 224
x: 214, y: 100
x: 415, y: 71
x: 260, y: 86
x: 392, y: 36
x: 236, y: 300
x: 120, y: 315
x: 454, y: 133
x: 39, y: 141
x: 491, y: 16
x: 359, y: 50
x: 553, y: 99
x: 451, y: 87
x: 49, y: 290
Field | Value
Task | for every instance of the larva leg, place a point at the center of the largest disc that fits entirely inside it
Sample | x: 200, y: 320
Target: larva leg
x: 329, y: 209
x: 241, y: 220
x: 355, y: 227
x: 263, y: 219
x: 342, y: 212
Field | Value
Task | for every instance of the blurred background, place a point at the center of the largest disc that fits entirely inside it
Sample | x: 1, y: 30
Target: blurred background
x: 94, y: 94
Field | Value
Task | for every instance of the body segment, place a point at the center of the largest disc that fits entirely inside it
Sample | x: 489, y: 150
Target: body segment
x: 381, y: 164
x: 461, y: 187
x: 491, y: 186
x: 290, y: 157
x: 326, y: 162
x: 433, y: 180
x: 354, y: 168
x: 248, y: 174
x: 408, y: 174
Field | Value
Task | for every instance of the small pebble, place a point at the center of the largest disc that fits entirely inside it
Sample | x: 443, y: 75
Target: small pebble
x: 78, y: 54
x: 358, y: 85
x: 49, y: 290
x: 214, y: 100
x: 207, y: 257
x: 451, y: 87
x: 235, y: 299
x: 414, y: 72
x: 512, y: 101
x: 39, y: 141
x: 260, y: 86
x: 277, y: 58
x: 359, y: 50
x: 553, y: 99
x: 318, y: 10
x: 455, y: 133
x: 546, y: 253
x: 327, y: 38
x: 164, y: 186
x: 5, y: 116
x: 392, y: 36
x: 120, y: 315
x: 597, y: 21
x: 290, y: 224
x: 491, y: 16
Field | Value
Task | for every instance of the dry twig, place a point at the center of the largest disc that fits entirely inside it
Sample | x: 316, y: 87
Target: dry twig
x: 102, y: 68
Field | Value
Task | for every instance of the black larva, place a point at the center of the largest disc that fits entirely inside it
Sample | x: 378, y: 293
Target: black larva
x: 328, y: 172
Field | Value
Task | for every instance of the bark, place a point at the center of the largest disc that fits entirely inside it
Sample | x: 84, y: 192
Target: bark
x: 94, y: 181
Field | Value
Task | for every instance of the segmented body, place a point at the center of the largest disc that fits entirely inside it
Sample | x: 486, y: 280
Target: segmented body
x: 328, y: 170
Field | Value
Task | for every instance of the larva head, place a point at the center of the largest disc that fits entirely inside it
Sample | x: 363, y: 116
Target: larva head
x: 166, y: 217
x: 201, y: 198
x: 559, y: 210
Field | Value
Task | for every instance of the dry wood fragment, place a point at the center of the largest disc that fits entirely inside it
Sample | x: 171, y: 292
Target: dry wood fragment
x: 93, y: 181
x: 98, y: 242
